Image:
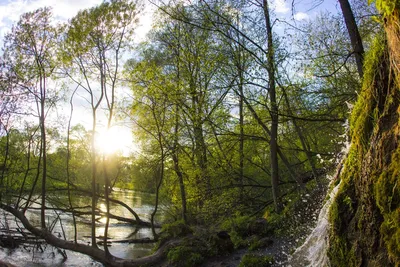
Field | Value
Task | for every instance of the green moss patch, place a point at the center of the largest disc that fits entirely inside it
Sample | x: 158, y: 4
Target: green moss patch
x: 253, y: 260
x: 365, y: 215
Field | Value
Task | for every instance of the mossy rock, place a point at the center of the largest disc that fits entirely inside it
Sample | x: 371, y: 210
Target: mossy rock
x: 184, y: 256
x: 258, y: 227
x: 220, y: 244
x: 237, y: 224
x: 253, y: 260
x: 191, y: 252
x: 237, y: 227
x: 174, y: 230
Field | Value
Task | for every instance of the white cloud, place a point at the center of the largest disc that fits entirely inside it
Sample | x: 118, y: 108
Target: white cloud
x: 11, y: 10
x: 280, y: 6
x: 301, y: 16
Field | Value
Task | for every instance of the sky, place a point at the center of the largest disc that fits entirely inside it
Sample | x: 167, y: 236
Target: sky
x: 11, y: 10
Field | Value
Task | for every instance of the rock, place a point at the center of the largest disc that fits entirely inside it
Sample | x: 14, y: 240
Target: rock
x: 223, y: 235
x: 266, y: 242
x: 6, y: 264
x: 258, y: 227
x: 221, y: 243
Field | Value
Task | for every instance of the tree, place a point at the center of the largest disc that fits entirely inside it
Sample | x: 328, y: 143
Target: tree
x: 31, y: 48
x: 94, y: 44
x: 354, y: 34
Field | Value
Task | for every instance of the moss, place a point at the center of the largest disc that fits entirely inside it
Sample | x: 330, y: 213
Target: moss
x: 257, y: 243
x: 238, y: 224
x: 173, y: 230
x: 219, y: 246
x: 363, y: 116
x: 176, y: 229
x: 191, y: 252
x: 387, y: 194
x: 365, y: 216
x: 386, y: 7
x: 184, y: 256
x: 252, y: 260
x: 237, y: 228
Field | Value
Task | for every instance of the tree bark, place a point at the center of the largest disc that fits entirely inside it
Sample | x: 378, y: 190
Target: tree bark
x: 274, y: 110
x: 355, y: 38
x: 42, y: 80
x: 175, y: 158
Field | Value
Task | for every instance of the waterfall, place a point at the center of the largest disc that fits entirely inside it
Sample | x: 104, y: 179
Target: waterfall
x: 313, y: 251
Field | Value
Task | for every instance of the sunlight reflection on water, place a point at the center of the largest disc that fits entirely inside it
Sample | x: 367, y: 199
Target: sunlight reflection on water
x: 141, y: 203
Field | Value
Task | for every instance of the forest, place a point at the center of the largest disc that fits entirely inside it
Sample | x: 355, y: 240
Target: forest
x: 244, y: 123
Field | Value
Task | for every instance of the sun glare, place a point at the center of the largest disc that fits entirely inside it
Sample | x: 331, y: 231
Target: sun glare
x: 114, y: 140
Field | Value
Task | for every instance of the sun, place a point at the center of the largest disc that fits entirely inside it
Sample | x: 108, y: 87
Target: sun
x: 113, y: 140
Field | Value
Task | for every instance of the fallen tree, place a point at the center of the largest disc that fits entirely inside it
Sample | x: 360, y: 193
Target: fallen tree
x: 94, y: 252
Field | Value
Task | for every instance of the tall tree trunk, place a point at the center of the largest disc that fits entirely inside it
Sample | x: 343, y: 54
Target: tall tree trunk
x: 240, y: 66
x: 274, y: 110
x: 355, y: 37
x: 107, y: 200
x: 199, y: 147
x: 6, y: 155
x: 158, y: 184
x: 27, y: 169
x: 241, y: 134
x: 177, y: 169
x: 44, y: 148
x: 68, y: 166
x: 94, y: 174
x: 175, y: 154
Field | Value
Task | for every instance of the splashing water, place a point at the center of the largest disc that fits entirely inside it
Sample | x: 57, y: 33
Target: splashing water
x: 313, y: 251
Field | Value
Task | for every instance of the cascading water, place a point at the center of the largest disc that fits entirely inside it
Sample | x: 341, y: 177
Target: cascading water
x: 313, y: 251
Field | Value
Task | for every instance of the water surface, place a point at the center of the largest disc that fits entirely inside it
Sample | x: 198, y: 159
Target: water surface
x: 141, y: 203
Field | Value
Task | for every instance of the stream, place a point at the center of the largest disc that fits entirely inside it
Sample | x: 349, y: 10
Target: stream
x: 141, y: 203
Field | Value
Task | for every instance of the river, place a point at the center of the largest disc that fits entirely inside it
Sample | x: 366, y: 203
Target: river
x: 141, y: 203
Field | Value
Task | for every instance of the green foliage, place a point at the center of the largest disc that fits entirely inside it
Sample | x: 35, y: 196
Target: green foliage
x: 253, y: 260
x: 237, y: 227
x: 385, y: 7
x: 175, y: 229
x: 183, y: 256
